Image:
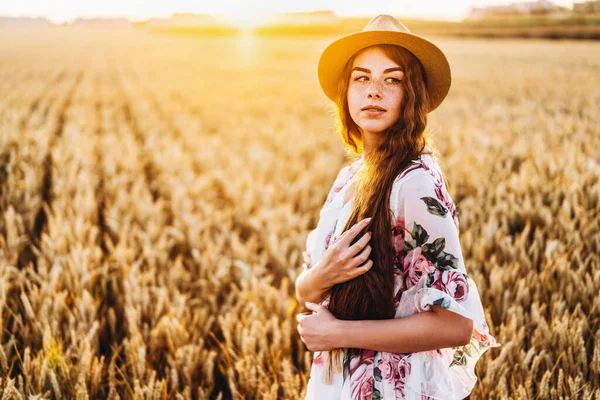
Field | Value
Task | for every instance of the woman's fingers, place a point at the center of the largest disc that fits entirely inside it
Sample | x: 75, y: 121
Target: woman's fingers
x: 358, y: 246
x: 363, y: 268
x: 366, y: 266
x: 301, y: 316
x: 351, y: 233
x: 361, y: 257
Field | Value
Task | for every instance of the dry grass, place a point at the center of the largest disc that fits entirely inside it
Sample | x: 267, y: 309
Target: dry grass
x: 156, y: 192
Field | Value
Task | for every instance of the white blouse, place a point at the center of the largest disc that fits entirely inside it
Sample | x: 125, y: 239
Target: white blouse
x: 429, y: 269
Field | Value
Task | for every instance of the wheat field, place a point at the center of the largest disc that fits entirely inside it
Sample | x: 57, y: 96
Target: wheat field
x: 156, y: 192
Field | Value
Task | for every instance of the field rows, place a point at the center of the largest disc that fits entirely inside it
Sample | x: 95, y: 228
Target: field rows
x: 156, y: 193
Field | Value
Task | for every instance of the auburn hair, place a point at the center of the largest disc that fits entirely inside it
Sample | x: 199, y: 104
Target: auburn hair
x: 370, y: 295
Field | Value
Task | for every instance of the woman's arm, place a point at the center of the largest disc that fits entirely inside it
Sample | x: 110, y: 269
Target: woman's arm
x: 310, y: 286
x: 423, y: 331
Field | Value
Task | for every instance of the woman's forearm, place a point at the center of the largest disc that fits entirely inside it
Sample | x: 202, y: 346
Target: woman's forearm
x: 310, y: 286
x: 418, y: 332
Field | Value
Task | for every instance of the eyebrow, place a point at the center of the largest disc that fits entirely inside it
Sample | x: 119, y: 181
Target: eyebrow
x: 385, y: 71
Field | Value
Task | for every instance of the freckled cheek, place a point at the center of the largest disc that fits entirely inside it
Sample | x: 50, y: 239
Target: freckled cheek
x: 354, y: 97
x: 357, y: 94
x: 396, y: 101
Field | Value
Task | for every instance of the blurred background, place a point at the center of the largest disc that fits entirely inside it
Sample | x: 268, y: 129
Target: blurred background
x: 161, y: 164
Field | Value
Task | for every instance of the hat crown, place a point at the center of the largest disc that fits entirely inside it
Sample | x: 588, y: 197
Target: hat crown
x: 385, y: 22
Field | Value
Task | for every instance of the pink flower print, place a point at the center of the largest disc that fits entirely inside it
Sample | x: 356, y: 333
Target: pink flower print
x: 332, y: 194
x: 401, y: 371
x: 485, y: 338
x: 398, y: 279
x: 361, y: 375
x: 416, y: 265
x: 327, y: 238
x: 398, y: 227
x: 399, y: 392
x: 402, y: 367
x: 319, y: 358
x: 412, y: 167
x: 367, y: 357
x: 340, y: 181
x: 398, y: 240
x: 386, y: 366
x: 443, y: 195
x: 398, y: 286
x: 398, y: 296
x: 453, y: 283
x: 433, y: 171
x: 363, y: 389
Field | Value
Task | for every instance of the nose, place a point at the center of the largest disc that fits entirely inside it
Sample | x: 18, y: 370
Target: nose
x: 373, y: 91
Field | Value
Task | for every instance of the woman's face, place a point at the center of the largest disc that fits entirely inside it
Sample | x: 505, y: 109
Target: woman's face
x: 375, y: 80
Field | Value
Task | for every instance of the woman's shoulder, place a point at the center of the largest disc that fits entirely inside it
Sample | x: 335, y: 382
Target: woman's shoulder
x: 423, y: 169
x: 423, y: 179
x: 348, y: 170
x: 342, y: 178
x: 414, y: 184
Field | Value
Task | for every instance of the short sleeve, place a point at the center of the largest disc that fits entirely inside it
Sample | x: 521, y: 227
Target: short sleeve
x: 435, y: 274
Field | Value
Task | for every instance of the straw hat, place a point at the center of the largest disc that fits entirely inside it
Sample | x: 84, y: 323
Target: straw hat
x: 385, y: 29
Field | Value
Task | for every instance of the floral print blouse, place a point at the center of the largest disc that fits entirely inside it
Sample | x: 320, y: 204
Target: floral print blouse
x: 429, y: 270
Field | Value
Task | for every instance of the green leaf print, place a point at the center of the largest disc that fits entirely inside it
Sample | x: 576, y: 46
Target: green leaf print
x: 430, y: 279
x: 446, y: 261
x: 347, y: 359
x: 435, y: 207
x: 431, y: 251
x: 377, y: 374
x: 377, y: 386
x: 442, y: 302
x: 470, y: 350
x: 459, y: 358
x: 419, y: 234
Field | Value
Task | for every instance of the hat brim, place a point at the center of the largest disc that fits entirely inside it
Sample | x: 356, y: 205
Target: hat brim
x: 437, y: 70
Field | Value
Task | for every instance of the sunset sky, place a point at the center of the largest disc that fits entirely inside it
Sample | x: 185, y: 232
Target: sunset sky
x: 241, y: 11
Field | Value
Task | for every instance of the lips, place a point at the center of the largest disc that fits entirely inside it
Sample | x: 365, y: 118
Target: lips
x: 374, y: 108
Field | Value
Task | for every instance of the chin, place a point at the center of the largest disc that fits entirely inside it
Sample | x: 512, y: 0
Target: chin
x: 375, y: 128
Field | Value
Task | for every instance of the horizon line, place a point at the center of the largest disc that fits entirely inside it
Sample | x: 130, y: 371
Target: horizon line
x: 220, y: 17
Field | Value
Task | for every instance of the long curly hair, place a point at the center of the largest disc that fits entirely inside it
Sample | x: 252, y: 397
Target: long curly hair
x: 370, y: 296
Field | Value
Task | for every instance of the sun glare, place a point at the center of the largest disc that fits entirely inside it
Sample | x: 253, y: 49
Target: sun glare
x: 247, y: 19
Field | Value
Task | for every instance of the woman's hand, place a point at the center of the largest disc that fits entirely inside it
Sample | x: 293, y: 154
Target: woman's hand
x: 342, y: 261
x: 318, y: 330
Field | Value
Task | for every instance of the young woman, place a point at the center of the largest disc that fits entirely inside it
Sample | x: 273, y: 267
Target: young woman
x: 399, y: 316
